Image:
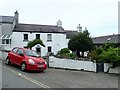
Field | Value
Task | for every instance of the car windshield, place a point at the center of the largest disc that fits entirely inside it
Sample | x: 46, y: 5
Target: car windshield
x: 31, y: 53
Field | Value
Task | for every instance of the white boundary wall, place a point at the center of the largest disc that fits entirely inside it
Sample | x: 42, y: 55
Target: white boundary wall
x: 3, y: 55
x: 72, y: 64
x: 112, y: 70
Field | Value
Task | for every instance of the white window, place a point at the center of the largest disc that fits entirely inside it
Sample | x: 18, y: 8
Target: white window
x: 49, y: 37
x: 25, y: 37
x: 37, y: 36
x: 6, y: 39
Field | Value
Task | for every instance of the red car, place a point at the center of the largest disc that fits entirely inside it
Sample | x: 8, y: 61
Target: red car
x: 27, y: 59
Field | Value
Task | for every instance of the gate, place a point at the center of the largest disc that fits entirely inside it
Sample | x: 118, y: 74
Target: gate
x: 100, y: 67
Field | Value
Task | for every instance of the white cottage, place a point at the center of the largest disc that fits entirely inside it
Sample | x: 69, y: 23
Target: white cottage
x: 53, y: 36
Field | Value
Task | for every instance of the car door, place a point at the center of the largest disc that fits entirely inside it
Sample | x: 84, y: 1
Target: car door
x: 19, y: 56
x: 12, y: 55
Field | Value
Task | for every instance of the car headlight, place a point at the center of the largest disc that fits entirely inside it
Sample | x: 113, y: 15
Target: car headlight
x: 31, y: 61
x: 45, y: 62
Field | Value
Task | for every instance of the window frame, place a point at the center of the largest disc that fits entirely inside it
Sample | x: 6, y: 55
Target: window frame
x: 24, y: 37
x: 49, y: 37
x: 37, y: 36
x: 19, y: 50
x: 14, y: 49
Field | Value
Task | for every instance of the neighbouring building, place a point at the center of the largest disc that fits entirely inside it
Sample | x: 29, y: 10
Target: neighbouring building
x: 99, y: 41
x: 15, y: 34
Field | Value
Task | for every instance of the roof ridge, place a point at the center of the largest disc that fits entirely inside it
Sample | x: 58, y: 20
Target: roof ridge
x: 105, y: 36
x: 6, y: 16
x: 36, y: 24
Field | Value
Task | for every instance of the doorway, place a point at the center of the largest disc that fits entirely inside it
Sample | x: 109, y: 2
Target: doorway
x: 38, y: 50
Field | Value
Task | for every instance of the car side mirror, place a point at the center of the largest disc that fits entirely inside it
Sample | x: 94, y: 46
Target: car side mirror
x: 21, y: 54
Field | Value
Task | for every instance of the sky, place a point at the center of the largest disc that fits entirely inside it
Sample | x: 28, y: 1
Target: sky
x: 99, y: 16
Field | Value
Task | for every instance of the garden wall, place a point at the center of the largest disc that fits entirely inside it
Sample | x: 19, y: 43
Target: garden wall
x: 72, y: 64
x: 3, y: 55
x: 79, y: 65
x: 112, y: 70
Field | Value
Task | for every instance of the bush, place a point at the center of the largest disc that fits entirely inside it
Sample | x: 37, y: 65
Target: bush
x: 69, y: 56
x: 111, y: 56
x: 93, y: 55
x: 99, y: 51
x: 64, y: 51
x: 35, y: 42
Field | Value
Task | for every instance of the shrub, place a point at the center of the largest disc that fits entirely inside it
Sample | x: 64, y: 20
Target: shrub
x: 64, y: 51
x: 71, y: 55
x: 99, y: 51
x: 35, y: 42
x: 111, y: 56
x: 93, y: 54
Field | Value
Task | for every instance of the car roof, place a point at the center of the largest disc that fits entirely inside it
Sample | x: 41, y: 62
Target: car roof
x: 22, y: 48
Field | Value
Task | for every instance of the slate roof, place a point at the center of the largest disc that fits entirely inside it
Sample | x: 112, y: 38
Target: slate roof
x: 38, y: 28
x: 6, y: 19
x: 69, y: 33
x: 105, y: 39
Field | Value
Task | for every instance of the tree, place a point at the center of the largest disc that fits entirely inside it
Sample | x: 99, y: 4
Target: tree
x: 81, y: 42
x: 35, y: 42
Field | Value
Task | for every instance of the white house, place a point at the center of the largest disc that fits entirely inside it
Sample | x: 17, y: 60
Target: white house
x: 18, y: 35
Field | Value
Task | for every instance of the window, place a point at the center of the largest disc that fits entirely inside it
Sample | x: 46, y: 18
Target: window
x: 49, y: 37
x: 31, y: 53
x: 14, y: 50
x: 25, y: 37
x: 49, y: 49
x: 20, y: 51
x: 6, y: 39
x: 37, y: 36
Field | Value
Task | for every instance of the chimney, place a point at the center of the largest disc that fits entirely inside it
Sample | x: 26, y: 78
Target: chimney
x: 85, y: 28
x: 59, y: 23
x: 79, y: 28
x: 16, y: 17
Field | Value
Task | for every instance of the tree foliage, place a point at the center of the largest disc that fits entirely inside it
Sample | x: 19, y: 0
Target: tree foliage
x: 106, y: 46
x: 108, y: 53
x: 81, y: 42
x: 35, y: 42
x: 112, y: 55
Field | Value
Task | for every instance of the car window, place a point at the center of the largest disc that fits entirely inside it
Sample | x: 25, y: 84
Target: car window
x: 14, y: 50
x: 20, y: 51
x: 31, y: 53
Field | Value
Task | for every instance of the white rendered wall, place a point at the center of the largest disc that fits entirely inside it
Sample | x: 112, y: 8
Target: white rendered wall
x: 58, y: 41
x: 112, y: 70
x: 72, y: 64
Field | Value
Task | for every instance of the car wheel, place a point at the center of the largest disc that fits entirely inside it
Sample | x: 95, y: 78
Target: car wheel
x: 23, y: 67
x: 7, y: 61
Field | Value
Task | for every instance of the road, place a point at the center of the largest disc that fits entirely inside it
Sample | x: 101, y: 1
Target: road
x: 13, y: 77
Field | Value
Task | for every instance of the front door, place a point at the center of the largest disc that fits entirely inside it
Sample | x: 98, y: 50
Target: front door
x: 38, y: 50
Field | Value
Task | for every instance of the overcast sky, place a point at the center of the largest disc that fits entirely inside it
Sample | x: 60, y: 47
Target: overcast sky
x: 99, y: 16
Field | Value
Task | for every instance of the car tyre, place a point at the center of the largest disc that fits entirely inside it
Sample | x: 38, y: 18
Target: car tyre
x: 7, y: 61
x: 23, y: 67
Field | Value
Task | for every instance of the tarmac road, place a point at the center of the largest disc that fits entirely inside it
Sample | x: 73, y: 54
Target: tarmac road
x: 13, y: 77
